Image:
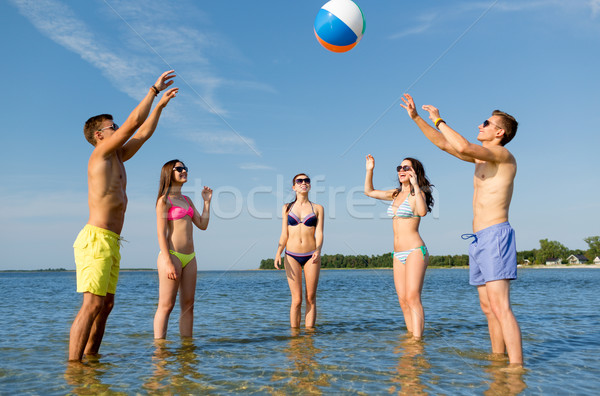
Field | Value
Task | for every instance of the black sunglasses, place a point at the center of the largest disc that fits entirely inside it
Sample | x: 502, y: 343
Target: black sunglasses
x: 303, y: 180
x: 488, y: 122
x: 180, y: 168
x: 113, y: 127
x: 404, y: 168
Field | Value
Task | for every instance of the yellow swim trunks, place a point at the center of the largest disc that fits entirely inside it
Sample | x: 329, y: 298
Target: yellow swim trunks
x: 97, y: 259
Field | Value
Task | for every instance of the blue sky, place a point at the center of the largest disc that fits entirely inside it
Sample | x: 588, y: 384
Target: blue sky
x: 260, y: 100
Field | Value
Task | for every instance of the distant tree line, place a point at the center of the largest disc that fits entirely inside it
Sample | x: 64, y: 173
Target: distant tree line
x: 548, y: 249
x: 556, y: 250
x: 381, y: 261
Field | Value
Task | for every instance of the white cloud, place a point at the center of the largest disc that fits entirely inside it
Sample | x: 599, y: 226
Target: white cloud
x: 595, y: 6
x: 424, y: 24
x: 59, y: 23
x: 427, y: 21
x: 224, y: 142
x: 131, y: 38
x: 253, y: 166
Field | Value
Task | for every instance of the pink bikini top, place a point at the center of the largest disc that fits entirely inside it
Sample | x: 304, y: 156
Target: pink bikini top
x: 177, y: 212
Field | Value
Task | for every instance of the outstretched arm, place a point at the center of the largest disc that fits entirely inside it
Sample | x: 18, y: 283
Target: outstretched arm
x: 137, y: 116
x: 148, y: 127
x: 466, y: 150
x: 435, y: 137
x: 369, y: 190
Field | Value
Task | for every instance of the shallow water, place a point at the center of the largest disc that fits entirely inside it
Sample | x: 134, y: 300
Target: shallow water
x: 243, y: 343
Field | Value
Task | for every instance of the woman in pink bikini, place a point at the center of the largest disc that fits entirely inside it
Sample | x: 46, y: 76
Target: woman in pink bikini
x: 175, y: 217
x: 411, y: 201
x: 302, y: 240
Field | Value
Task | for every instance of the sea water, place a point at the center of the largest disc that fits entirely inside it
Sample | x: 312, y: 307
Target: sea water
x: 243, y: 344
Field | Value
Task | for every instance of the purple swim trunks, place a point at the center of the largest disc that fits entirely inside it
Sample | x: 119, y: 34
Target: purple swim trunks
x: 492, y: 254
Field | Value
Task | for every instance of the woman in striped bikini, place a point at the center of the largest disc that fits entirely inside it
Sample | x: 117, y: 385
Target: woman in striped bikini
x: 302, y: 240
x: 176, y: 216
x: 411, y: 201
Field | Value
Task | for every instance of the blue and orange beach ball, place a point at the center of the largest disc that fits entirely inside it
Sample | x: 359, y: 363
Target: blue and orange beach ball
x: 339, y: 25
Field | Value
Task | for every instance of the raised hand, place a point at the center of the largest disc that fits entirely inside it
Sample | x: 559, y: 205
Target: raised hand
x: 434, y: 113
x: 409, y: 105
x: 370, y: 165
x: 165, y: 80
x: 206, y: 194
x: 412, y: 177
x: 167, y: 96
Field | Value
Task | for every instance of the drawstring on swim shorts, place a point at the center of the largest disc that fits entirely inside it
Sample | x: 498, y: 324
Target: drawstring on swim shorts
x: 120, y: 240
x: 468, y: 236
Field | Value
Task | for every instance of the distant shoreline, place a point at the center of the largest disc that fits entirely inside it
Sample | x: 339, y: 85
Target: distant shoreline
x: 537, y: 266
x: 559, y: 266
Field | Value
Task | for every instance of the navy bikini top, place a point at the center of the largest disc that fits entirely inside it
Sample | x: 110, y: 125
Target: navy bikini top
x: 310, y: 221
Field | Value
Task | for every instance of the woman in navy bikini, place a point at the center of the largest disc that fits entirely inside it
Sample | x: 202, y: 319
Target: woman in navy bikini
x: 175, y: 217
x: 411, y: 201
x: 302, y: 240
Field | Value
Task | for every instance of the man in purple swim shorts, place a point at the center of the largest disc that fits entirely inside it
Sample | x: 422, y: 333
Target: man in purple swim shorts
x: 492, y: 254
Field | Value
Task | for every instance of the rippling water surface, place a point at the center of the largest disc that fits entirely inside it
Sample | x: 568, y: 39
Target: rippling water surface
x: 243, y: 343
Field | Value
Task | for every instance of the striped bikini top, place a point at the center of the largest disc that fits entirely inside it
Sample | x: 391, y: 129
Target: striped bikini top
x: 404, y: 210
x: 310, y: 220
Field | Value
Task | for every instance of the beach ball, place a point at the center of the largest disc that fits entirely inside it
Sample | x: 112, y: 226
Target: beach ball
x: 339, y: 25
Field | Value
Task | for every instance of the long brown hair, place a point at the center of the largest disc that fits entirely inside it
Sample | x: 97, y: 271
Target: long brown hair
x: 164, y: 184
x: 424, y: 183
x: 289, y: 205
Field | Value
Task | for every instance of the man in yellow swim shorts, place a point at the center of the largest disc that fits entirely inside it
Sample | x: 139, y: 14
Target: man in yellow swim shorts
x: 96, y: 248
x: 97, y: 256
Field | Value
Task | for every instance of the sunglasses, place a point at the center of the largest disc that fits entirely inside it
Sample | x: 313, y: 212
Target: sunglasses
x: 113, y: 127
x: 180, y: 168
x: 404, y: 168
x: 488, y: 122
x: 303, y: 180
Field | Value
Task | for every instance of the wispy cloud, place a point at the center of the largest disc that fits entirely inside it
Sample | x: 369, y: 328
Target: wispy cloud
x: 135, y: 41
x: 426, y: 22
x: 59, y: 23
x: 224, y: 142
x: 252, y: 166
x: 595, y: 6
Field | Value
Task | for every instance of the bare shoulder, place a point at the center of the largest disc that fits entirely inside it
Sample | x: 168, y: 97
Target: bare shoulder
x: 162, y: 201
x: 495, y: 156
x: 101, y: 159
x: 503, y: 155
x: 318, y: 208
x: 96, y: 158
x: 99, y: 170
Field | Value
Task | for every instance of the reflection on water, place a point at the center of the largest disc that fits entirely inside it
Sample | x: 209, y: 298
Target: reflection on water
x: 358, y: 347
x: 412, y: 363
x: 86, y: 378
x: 175, y: 369
x: 303, y: 373
x: 503, y: 380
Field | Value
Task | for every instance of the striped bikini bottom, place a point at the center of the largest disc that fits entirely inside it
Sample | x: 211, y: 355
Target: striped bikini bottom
x: 402, y: 256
